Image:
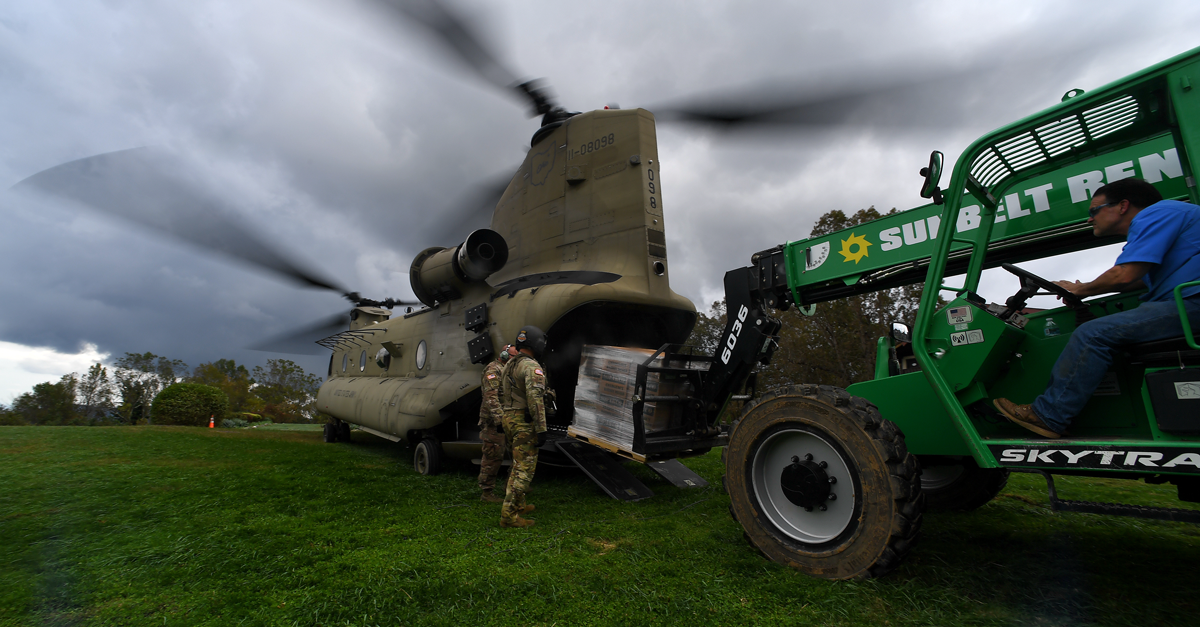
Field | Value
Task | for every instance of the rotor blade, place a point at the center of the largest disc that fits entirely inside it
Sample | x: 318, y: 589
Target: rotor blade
x: 148, y: 187
x: 914, y: 95
x: 303, y: 341
x: 475, y: 211
x: 458, y: 35
x: 827, y: 107
x: 360, y: 301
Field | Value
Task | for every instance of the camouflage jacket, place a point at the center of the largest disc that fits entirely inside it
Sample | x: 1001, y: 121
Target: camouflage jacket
x: 490, y: 413
x: 523, y: 388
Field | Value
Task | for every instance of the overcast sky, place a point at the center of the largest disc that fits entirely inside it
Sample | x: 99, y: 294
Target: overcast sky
x: 342, y: 138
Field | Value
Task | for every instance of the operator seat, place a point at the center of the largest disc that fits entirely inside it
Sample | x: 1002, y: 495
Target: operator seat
x: 1167, y: 352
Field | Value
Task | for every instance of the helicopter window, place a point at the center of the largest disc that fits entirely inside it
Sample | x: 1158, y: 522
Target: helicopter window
x: 345, y: 361
x: 362, y: 361
x: 422, y: 351
x: 383, y: 358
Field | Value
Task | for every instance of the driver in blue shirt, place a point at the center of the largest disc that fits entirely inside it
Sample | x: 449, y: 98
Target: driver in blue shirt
x: 1162, y: 250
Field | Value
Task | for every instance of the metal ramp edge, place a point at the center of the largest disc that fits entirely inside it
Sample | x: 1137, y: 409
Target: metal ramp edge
x: 679, y: 475
x: 604, y: 469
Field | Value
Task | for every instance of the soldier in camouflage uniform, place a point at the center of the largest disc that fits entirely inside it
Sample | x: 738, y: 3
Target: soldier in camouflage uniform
x: 491, y: 433
x: 523, y: 386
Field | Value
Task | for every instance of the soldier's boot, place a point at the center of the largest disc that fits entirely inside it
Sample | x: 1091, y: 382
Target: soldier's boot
x: 489, y: 497
x: 526, y: 509
x: 516, y: 522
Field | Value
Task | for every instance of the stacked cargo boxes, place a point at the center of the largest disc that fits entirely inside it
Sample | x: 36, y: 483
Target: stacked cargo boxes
x: 604, y: 397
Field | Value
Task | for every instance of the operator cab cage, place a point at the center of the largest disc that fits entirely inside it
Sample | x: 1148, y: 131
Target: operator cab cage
x: 1159, y: 101
x: 1021, y: 192
x: 927, y: 426
x: 1158, y: 109
x: 1151, y: 118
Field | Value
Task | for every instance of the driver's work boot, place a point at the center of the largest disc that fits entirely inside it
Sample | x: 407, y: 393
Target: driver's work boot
x: 1024, y: 416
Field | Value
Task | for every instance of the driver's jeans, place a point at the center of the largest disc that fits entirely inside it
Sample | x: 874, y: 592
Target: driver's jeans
x: 1089, y: 353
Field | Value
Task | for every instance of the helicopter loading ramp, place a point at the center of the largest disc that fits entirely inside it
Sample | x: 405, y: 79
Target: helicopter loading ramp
x: 604, y: 469
x: 608, y: 472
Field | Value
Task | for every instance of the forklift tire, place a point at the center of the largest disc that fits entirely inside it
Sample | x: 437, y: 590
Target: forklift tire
x: 961, y: 487
x: 820, y: 482
x: 330, y: 433
x: 427, y: 457
x: 343, y: 432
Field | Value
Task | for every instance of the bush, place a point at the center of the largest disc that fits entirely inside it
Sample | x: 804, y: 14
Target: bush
x: 233, y: 423
x: 188, y: 404
x: 11, y: 418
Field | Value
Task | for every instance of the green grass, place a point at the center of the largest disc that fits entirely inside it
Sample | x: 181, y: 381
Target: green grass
x: 190, y: 526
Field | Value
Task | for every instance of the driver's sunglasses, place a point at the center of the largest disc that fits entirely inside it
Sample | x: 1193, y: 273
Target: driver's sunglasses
x: 1093, y: 211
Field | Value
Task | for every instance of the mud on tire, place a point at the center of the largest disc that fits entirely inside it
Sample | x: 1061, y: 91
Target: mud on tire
x: 821, y: 483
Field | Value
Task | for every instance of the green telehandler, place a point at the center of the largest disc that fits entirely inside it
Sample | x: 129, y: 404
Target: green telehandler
x: 835, y: 482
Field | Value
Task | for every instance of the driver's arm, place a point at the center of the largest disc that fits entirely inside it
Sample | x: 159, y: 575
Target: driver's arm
x: 1123, y: 277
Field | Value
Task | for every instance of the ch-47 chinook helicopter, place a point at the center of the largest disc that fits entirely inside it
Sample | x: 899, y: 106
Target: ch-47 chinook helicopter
x: 577, y: 247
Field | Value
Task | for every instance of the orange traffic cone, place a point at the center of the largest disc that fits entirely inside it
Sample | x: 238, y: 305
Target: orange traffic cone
x: 210, y: 421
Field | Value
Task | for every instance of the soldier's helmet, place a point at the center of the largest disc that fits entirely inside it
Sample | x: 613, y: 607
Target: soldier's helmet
x: 532, y: 338
x: 504, y: 354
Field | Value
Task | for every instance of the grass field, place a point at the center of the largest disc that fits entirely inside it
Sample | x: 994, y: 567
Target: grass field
x: 189, y: 526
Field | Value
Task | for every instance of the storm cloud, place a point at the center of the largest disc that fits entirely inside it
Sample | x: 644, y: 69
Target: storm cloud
x: 344, y: 137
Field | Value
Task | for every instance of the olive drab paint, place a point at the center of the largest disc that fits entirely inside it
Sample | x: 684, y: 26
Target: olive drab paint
x: 584, y: 224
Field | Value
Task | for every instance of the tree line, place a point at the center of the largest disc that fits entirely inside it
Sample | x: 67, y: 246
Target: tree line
x: 147, y: 388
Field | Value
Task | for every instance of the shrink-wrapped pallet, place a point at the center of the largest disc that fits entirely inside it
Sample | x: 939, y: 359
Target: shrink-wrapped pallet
x: 604, y: 396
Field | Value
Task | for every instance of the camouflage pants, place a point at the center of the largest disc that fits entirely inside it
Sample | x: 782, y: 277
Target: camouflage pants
x: 493, y: 455
x: 522, y: 439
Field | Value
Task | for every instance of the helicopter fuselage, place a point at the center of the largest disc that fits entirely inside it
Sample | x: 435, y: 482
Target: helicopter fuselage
x: 582, y: 220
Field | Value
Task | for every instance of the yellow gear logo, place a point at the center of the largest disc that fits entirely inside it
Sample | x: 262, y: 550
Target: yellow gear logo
x: 854, y: 240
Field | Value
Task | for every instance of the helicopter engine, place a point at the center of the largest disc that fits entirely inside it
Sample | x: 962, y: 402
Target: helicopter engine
x: 440, y: 274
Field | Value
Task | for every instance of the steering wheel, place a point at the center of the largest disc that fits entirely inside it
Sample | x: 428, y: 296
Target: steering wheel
x: 1031, y: 281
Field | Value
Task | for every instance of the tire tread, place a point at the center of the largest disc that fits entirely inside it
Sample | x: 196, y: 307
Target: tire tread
x: 903, y: 468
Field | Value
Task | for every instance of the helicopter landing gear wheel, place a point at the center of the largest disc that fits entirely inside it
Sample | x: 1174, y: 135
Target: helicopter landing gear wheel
x: 821, y: 483
x: 960, y: 487
x: 343, y: 431
x: 427, y: 457
x: 330, y: 433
